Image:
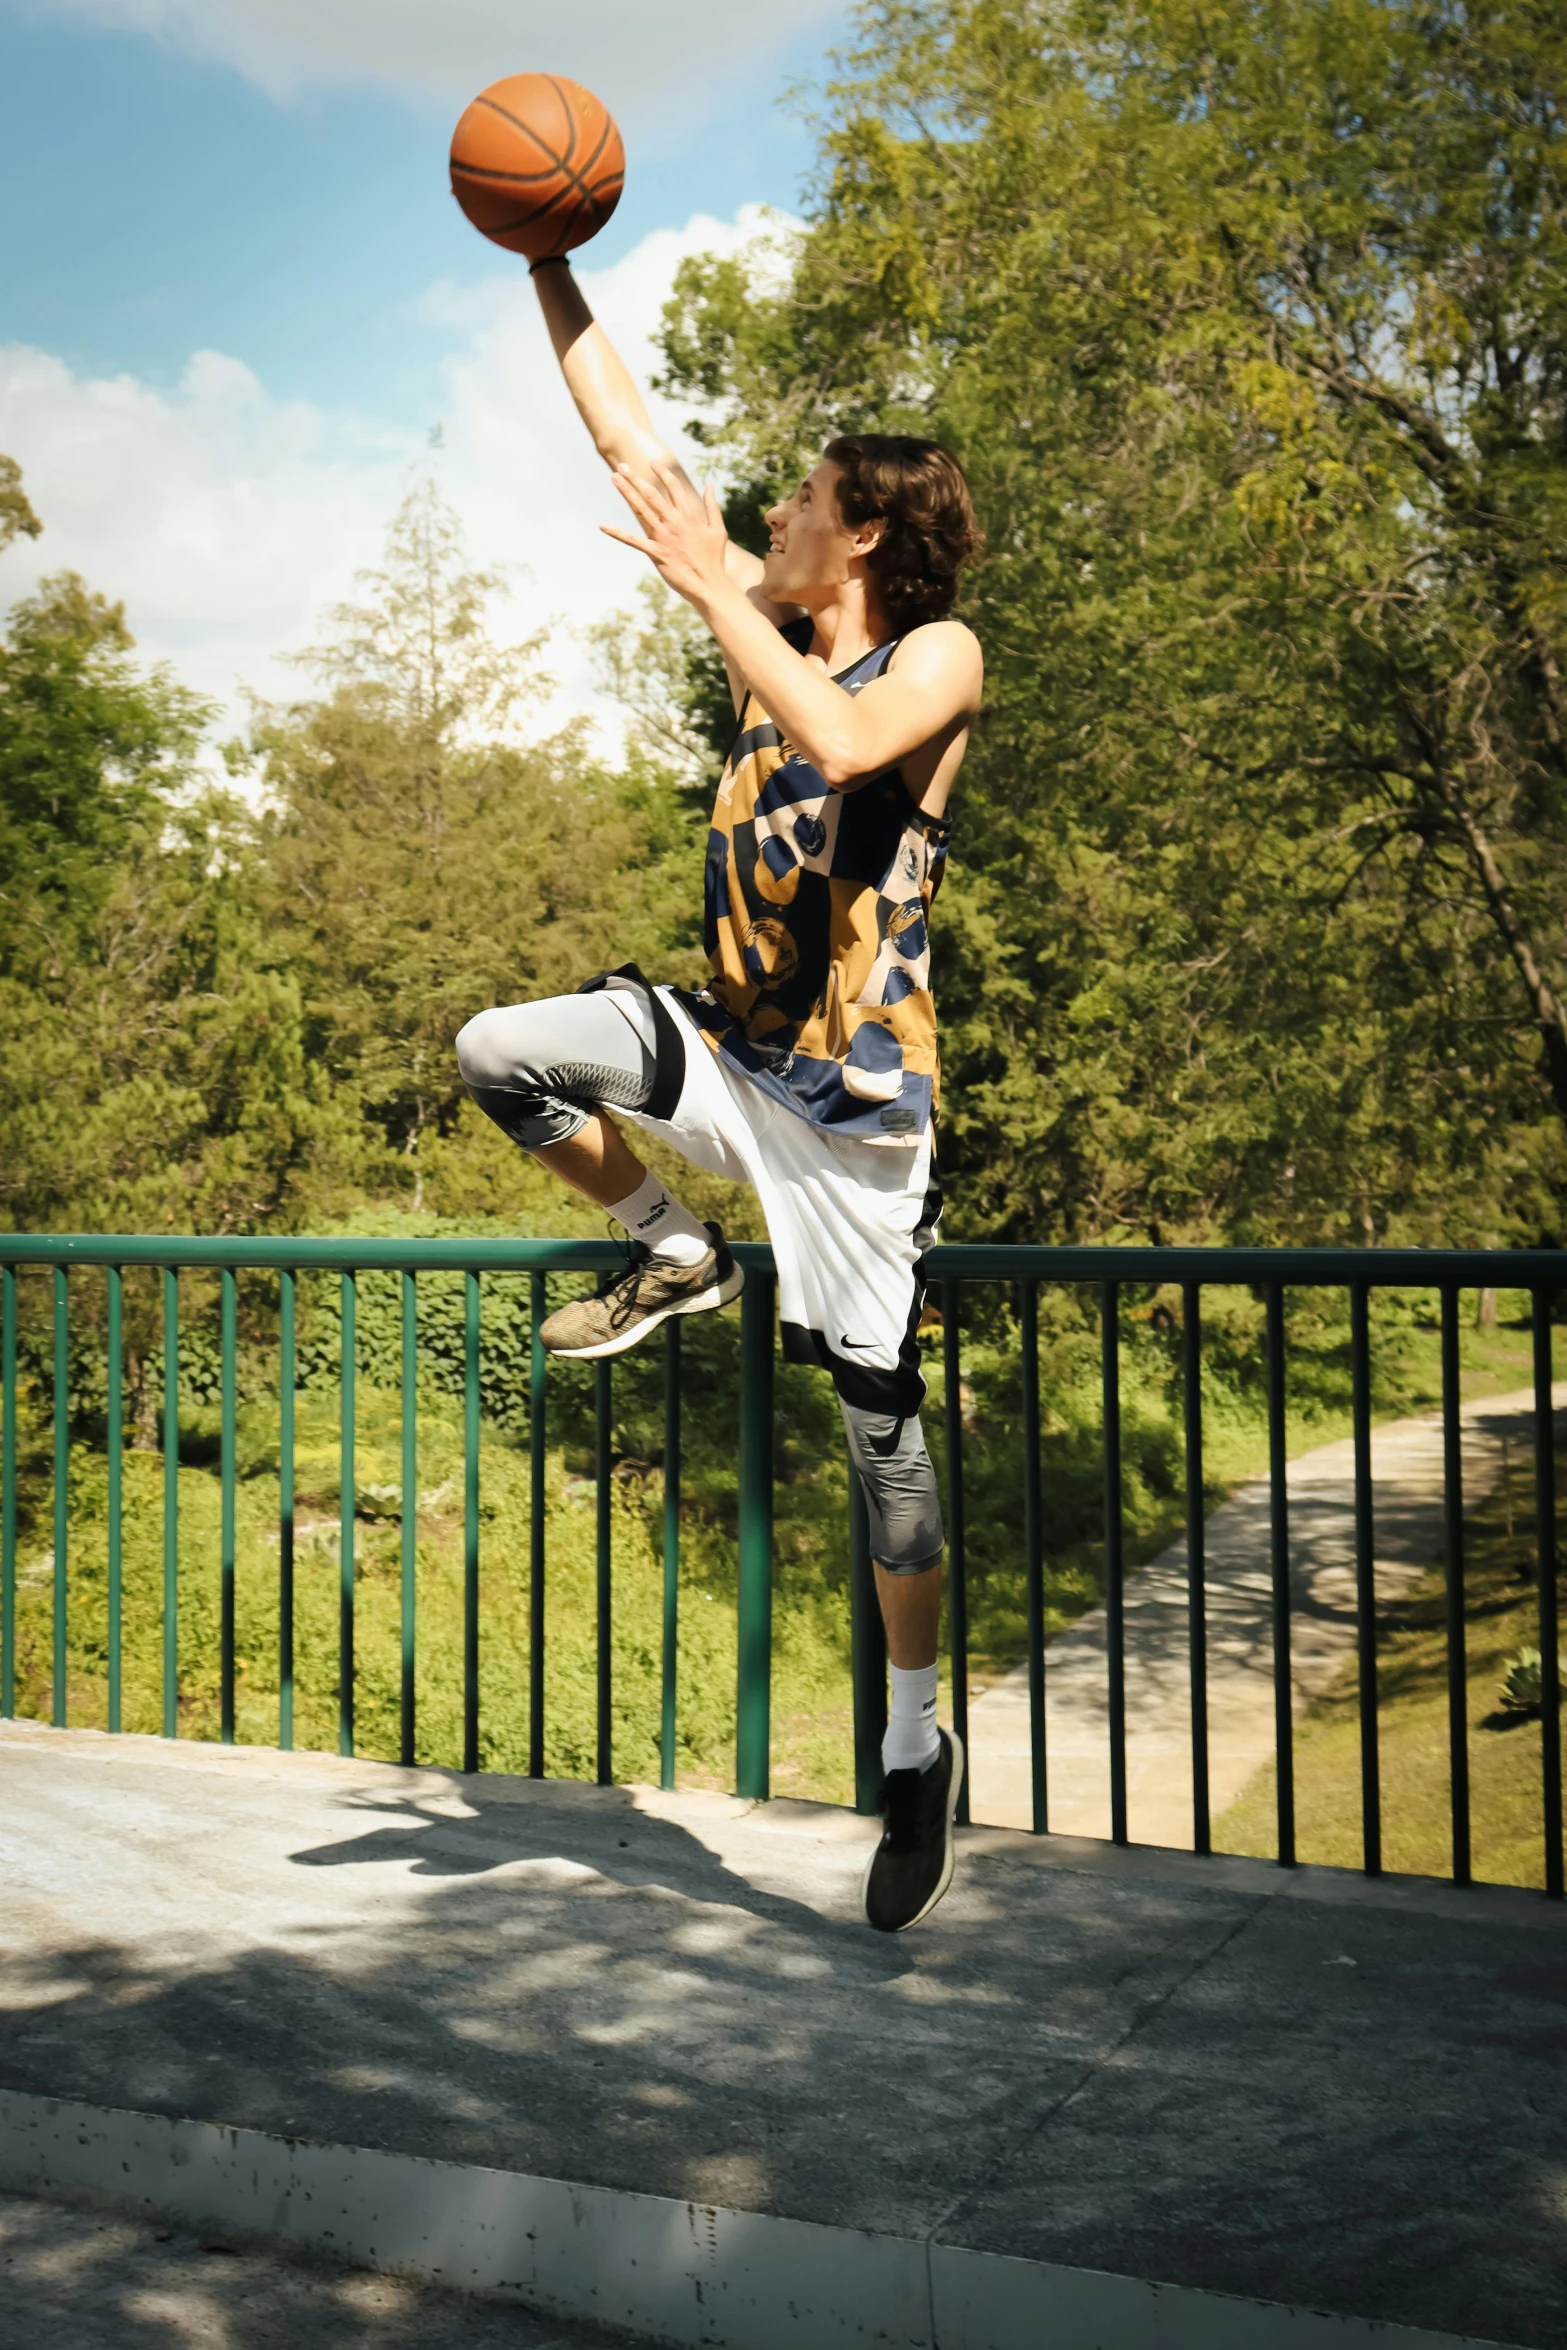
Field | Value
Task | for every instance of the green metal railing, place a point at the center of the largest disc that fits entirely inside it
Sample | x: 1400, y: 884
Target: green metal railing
x: 1541, y: 1274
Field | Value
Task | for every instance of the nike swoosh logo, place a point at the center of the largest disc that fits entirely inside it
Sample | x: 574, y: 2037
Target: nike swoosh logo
x: 859, y: 1343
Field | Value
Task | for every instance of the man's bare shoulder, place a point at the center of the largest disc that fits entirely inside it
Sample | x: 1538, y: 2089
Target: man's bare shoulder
x: 941, y: 652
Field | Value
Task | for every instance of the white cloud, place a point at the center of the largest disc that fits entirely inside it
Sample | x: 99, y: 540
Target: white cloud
x: 520, y: 467
x: 655, y: 67
x: 228, y: 520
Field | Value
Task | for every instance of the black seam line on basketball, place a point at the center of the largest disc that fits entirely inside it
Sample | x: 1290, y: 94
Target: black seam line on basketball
x: 571, y: 119
x: 536, y: 212
x: 526, y: 129
x: 540, y: 212
x: 598, y: 150
x: 563, y: 232
x: 543, y: 210
x: 590, y: 195
x: 561, y: 161
x: 521, y: 179
x: 583, y: 204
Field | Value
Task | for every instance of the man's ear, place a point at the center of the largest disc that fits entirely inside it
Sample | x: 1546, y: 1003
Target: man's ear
x: 869, y: 535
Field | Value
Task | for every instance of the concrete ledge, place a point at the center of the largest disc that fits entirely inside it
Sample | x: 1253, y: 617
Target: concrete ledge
x: 684, y: 2273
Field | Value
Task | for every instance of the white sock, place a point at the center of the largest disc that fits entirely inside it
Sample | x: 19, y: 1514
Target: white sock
x: 669, y: 1229
x: 910, y: 1742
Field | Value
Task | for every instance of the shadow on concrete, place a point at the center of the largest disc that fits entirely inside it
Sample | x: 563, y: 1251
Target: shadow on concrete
x: 591, y: 1829
x: 564, y: 1985
x: 1341, y: 2105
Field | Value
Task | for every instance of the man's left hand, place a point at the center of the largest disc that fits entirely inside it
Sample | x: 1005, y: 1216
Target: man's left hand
x: 684, y: 542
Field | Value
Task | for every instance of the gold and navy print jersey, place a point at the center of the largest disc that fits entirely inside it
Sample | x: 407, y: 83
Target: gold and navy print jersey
x: 817, y: 928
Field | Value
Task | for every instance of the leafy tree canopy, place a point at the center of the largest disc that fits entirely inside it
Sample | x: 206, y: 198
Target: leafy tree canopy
x: 1248, y: 322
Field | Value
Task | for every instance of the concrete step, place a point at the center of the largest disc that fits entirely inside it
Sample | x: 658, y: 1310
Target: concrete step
x: 93, y: 2280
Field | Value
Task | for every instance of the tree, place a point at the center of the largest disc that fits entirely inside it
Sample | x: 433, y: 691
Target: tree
x: 426, y: 859
x: 17, y: 518
x: 1248, y: 323
x: 667, y: 673
x: 154, y: 1069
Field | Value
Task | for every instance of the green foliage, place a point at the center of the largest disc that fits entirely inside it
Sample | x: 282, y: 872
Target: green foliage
x: 17, y: 519
x: 1248, y: 325
x: 155, y: 1069
x: 1521, y: 1688
x: 422, y: 859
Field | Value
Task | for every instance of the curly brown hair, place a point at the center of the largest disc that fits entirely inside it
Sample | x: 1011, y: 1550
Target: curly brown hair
x: 917, y: 488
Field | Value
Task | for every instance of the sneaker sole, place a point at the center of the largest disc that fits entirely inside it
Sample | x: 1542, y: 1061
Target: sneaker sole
x: 704, y: 1302
x: 959, y: 1764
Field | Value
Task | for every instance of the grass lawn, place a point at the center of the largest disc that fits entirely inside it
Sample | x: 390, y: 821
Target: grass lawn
x: 1504, y: 1748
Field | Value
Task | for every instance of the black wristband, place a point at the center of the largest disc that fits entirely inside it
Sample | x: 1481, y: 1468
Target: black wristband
x: 557, y: 260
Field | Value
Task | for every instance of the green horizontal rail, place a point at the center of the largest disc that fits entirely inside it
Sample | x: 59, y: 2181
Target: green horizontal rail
x: 1405, y: 1268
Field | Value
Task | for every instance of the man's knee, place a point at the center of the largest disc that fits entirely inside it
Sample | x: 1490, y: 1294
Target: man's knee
x: 498, y: 1054
x: 898, y: 1480
x: 487, y: 1049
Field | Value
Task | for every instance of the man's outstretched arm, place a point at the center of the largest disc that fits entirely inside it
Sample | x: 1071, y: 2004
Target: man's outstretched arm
x: 611, y: 405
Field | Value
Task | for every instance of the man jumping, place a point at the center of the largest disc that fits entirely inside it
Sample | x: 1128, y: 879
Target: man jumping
x: 807, y: 1065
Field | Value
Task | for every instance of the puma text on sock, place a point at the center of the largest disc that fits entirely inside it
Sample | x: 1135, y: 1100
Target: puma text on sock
x: 654, y: 1216
x: 910, y: 1742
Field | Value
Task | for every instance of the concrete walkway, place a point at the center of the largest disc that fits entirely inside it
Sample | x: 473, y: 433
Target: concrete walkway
x: 1406, y: 1461
x: 1288, y: 2085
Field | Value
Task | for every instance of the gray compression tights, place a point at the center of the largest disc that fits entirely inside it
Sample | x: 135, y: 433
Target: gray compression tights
x: 540, y: 1071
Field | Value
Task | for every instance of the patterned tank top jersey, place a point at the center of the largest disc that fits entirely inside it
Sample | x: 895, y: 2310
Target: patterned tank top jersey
x: 816, y: 922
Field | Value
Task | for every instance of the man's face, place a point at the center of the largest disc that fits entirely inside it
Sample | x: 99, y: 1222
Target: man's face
x: 812, y: 548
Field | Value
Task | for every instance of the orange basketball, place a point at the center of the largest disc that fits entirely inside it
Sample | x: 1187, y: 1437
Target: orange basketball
x: 537, y: 164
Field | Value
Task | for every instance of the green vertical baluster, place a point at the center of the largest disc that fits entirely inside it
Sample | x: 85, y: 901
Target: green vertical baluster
x: 1034, y: 1560
x: 957, y: 1564
x: 410, y: 1515
x: 1550, y: 1630
x: 753, y: 1732
x: 8, y: 1493
x: 602, y: 1428
x: 1115, y: 1556
x: 868, y: 1653
x: 1196, y: 1560
x: 470, y: 1537
x: 171, y: 1502
x: 347, y: 1494
x: 666, y: 1731
x: 1453, y: 1511
x: 1278, y: 1497
x: 536, y: 1515
x: 229, y: 1343
x: 285, y: 1499
x: 1365, y: 1581
x: 62, y: 1487
x: 116, y: 1443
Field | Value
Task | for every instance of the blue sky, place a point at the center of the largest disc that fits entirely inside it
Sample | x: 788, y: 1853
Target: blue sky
x: 233, y: 276
x: 158, y: 203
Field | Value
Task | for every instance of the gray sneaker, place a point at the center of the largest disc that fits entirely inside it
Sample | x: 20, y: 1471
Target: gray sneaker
x: 627, y: 1305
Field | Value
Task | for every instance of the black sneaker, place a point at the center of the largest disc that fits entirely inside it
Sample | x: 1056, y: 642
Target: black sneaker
x: 911, y: 1867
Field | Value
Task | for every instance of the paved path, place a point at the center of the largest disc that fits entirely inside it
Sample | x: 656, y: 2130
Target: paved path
x: 1288, y: 2084
x: 1406, y: 1463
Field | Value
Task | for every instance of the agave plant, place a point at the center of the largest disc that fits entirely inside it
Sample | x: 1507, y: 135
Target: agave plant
x: 1520, y: 1693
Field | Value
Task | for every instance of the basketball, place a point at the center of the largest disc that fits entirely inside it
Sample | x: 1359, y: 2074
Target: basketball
x: 537, y: 164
